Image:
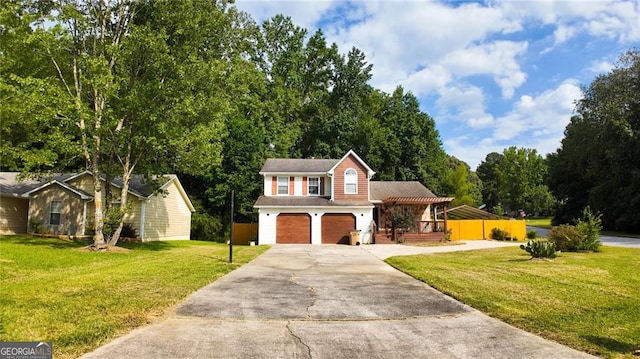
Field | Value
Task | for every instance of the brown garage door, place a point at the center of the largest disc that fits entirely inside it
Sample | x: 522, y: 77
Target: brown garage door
x: 293, y: 228
x: 336, y: 227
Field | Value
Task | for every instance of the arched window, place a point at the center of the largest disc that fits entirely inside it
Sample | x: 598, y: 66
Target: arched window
x: 350, y: 181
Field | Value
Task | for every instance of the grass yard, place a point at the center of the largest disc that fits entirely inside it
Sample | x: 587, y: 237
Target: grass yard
x: 588, y: 301
x: 539, y: 222
x: 50, y: 290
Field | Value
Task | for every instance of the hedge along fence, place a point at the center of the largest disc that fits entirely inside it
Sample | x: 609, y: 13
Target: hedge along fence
x: 244, y: 232
x: 469, y: 229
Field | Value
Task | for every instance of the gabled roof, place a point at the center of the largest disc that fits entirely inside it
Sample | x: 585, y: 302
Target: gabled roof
x: 296, y: 165
x: 381, y: 190
x: 307, y: 166
x: 370, y: 172
x: 138, y: 186
x: 11, y: 186
x: 82, y: 194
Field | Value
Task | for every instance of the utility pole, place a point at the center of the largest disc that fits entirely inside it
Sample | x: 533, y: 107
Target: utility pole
x: 231, y: 229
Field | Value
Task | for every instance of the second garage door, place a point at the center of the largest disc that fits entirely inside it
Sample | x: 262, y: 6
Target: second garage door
x: 293, y: 228
x: 336, y: 227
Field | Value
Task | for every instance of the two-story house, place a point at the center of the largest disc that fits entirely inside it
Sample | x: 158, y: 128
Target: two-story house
x: 319, y: 201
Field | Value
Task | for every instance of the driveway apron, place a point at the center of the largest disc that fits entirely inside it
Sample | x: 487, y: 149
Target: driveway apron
x: 306, y: 301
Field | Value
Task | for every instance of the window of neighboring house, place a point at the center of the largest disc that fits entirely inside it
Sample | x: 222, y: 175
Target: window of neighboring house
x: 313, y: 186
x: 54, y: 213
x: 350, y: 181
x: 283, y: 185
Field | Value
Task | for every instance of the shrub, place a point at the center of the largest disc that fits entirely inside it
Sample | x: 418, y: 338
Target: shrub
x: 532, y: 234
x: 498, y: 234
x: 565, y: 237
x: 539, y: 248
x: 128, y: 231
x: 36, y: 227
x: 205, y: 227
x: 589, y: 228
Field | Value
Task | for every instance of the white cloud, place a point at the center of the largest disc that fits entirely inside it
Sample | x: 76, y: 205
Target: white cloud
x: 305, y: 14
x: 601, y: 67
x: 467, y: 105
x: 545, y: 114
x: 533, y: 122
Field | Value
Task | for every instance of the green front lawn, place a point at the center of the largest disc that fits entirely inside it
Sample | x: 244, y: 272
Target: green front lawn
x: 588, y: 301
x: 50, y: 290
x: 539, y: 222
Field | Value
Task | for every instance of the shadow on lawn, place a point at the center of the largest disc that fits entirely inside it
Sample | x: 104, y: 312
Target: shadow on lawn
x: 611, y: 344
x: 145, y: 246
x: 46, y: 241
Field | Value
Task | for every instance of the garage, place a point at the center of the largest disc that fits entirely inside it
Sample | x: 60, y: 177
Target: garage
x: 293, y: 228
x: 336, y: 227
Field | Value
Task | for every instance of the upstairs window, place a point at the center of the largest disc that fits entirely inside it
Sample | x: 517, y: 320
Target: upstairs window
x: 54, y: 213
x: 313, y: 186
x: 283, y: 185
x: 350, y: 181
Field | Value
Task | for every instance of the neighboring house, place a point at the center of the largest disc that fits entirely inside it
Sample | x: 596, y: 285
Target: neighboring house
x: 64, y: 205
x: 319, y: 201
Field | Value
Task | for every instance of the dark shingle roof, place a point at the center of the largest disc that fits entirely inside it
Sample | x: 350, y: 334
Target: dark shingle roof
x: 305, y: 201
x: 380, y: 190
x: 291, y: 165
x: 11, y: 186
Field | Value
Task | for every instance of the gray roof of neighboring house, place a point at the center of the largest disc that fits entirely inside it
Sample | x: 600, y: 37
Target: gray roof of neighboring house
x: 11, y: 186
x: 379, y: 190
x: 294, y: 165
x: 305, y: 201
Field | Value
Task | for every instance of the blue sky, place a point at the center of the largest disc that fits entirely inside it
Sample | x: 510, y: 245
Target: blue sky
x: 492, y: 74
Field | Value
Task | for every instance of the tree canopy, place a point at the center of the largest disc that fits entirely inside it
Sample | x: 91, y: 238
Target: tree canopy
x: 598, y: 163
x: 199, y: 89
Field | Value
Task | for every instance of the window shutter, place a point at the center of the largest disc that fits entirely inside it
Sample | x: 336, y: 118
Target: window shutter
x: 274, y: 185
x: 291, y: 187
x: 322, y: 186
x: 304, y: 186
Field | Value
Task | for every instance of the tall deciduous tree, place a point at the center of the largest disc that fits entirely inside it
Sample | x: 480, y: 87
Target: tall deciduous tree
x: 515, y: 180
x: 597, y: 164
x: 135, y: 89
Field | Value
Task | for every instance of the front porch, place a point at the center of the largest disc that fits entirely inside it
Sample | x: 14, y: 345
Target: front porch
x: 410, y: 220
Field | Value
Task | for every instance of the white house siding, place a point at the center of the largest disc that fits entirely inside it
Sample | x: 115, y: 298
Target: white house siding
x: 167, y: 217
x: 267, y: 222
x: 13, y: 215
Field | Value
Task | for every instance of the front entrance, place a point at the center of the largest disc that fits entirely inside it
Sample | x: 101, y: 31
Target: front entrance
x: 336, y: 227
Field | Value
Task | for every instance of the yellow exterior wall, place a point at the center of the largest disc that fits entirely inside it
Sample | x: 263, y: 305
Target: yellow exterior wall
x: 167, y: 216
x: 13, y: 215
x: 70, y: 217
x: 244, y: 232
x: 469, y: 229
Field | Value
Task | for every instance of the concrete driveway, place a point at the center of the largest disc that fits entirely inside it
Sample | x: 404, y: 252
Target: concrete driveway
x: 304, y: 301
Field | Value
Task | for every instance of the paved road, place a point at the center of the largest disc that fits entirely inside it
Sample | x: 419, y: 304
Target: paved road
x: 305, y: 301
x: 629, y: 242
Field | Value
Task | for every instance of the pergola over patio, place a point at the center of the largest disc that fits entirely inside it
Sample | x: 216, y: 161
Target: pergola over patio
x: 427, y: 227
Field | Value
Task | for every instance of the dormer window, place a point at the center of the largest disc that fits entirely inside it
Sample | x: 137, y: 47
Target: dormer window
x: 283, y: 185
x: 350, y: 181
x: 313, y: 186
